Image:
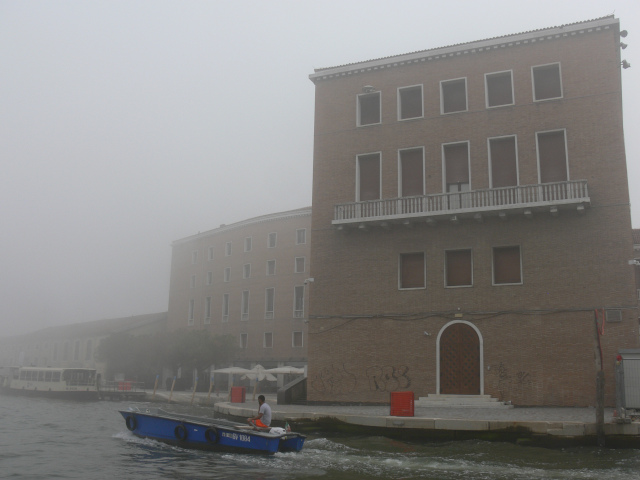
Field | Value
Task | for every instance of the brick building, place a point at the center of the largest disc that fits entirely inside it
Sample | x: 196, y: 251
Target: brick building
x: 470, y: 215
x: 247, y: 280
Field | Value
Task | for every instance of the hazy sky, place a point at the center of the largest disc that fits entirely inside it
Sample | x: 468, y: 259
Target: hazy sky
x: 126, y: 125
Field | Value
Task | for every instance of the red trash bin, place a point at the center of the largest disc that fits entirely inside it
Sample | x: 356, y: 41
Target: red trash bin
x: 238, y: 394
x: 401, y: 404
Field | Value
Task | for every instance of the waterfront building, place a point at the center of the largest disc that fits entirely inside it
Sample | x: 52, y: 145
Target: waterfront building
x: 247, y: 280
x: 75, y: 345
x: 471, y: 221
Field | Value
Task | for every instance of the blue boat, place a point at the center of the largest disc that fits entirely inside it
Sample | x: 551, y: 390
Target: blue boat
x: 209, y: 434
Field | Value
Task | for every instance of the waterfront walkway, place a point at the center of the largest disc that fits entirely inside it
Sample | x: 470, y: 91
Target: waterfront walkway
x: 553, y: 424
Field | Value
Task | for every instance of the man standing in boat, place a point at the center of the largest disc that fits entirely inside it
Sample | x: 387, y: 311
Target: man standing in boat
x: 263, y: 419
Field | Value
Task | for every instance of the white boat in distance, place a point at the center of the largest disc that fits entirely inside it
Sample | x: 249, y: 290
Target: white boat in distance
x: 65, y: 383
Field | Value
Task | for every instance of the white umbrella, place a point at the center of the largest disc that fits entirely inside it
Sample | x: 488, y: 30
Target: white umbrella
x: 286, y: 370
x: 232, y: 371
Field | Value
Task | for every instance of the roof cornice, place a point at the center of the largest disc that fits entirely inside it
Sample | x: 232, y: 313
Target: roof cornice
x: 301, y: 212
x: 479, y: 46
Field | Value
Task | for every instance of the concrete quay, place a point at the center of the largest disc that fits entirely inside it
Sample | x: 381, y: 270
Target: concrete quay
x: 543, y: 426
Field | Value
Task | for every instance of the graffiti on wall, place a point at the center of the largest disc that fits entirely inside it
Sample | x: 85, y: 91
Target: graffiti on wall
x: 335, y: 380
x: 388, y: 378
x: 507, y: 380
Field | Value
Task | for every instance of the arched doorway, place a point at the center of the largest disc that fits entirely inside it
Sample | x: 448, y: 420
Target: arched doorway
x: 460, y: 359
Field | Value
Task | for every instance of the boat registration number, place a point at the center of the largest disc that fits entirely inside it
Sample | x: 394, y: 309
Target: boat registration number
x: 237, y: 436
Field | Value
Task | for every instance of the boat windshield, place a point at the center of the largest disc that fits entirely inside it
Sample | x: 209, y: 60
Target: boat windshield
x: 79, y: 377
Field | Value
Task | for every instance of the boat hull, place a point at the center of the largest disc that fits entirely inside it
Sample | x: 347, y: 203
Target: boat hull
x: 208, y: 434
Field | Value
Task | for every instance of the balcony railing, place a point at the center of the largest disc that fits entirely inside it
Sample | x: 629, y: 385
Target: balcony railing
x: 493, y: 200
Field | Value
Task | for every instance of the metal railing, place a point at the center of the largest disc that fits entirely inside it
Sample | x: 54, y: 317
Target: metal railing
x: 477, y: 200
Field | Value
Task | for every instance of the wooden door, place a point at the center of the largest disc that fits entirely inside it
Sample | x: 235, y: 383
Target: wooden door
x: 459, y: 360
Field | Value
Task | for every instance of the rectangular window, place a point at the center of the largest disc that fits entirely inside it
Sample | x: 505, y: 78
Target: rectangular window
x: 296, y: 339
x: 225, y: 307
x: 271, y: 267
x: 209, y: 278
x: 271, y: 240
x: 453, y: 95
x: 192, y: 282
x: 191, y: 309
x: 194, y: 257
x: 76, y: 350
x: 410, y: 102
x: 298, y: 301
x: 458, y: 268
x: 246, y: 270
x: 269, y: 301
x: 227, y: 274
x: 244, y: 306
x: 368, y: 109
x: 207, y: 310
x: 412, y: 271
x: 507, y: 266
x: 244, y: 340
x: 368, y: 177
x: 499, y: 89
x: 552, y: 156
x: 411, y: 172
x: 456, y: 167
x: 247, y: 244
x: 299, y: 265
x: 227, y: 249
x: 503, y: 162
x: 210, y: 256
x: 301, y: 236
x: 268, y: 340
x: 547, y: 83
x: 614, y: 316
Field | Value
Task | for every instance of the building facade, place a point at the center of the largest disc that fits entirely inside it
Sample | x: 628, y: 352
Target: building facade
x: 471, y: 222
x: 247, y: 280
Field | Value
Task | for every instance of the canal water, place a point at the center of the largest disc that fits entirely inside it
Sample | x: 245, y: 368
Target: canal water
x: 41, y: 439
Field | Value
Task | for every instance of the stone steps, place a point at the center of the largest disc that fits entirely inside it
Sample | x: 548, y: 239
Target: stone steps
x: 460, y: 401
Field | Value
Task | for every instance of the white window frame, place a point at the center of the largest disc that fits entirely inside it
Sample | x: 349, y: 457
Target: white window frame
x: 271, y: 235
x: 244, y: 336
x: 515, y: 137
x: 424, y: 269
x: 466, y: 95
x: 190, y: 315
x: 446, y: 280
x: 244, y: 305
x: 207, y: 310
x: 247, y: 244
x: 379, y: 153
x: 227, y: 274
x: 225, y: 307
x: 194, y: 257
x: 493, y: 277
x: 358, y: 108
x: 566, y: 152
x: 210, y: 250
x: 421, y: 86
x: 424, y: 186
x: 533, y: 82
x: 227, y: 249
x: 293, y: 339
x: 246, y: 270
x: 295, y: 264
x: 296, y: 312
x: 444, y: 164
x: 209, y: 278
x: 486, y: 89
x: 192, y: 282
x: 304, y: 234
x: 269, y: 314
x: 274, y: 267
x: 264, y: 340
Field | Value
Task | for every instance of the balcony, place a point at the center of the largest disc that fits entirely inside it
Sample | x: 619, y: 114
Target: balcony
x: 518, y: 200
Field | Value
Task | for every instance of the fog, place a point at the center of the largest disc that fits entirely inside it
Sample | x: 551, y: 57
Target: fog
x: 126, y: 125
